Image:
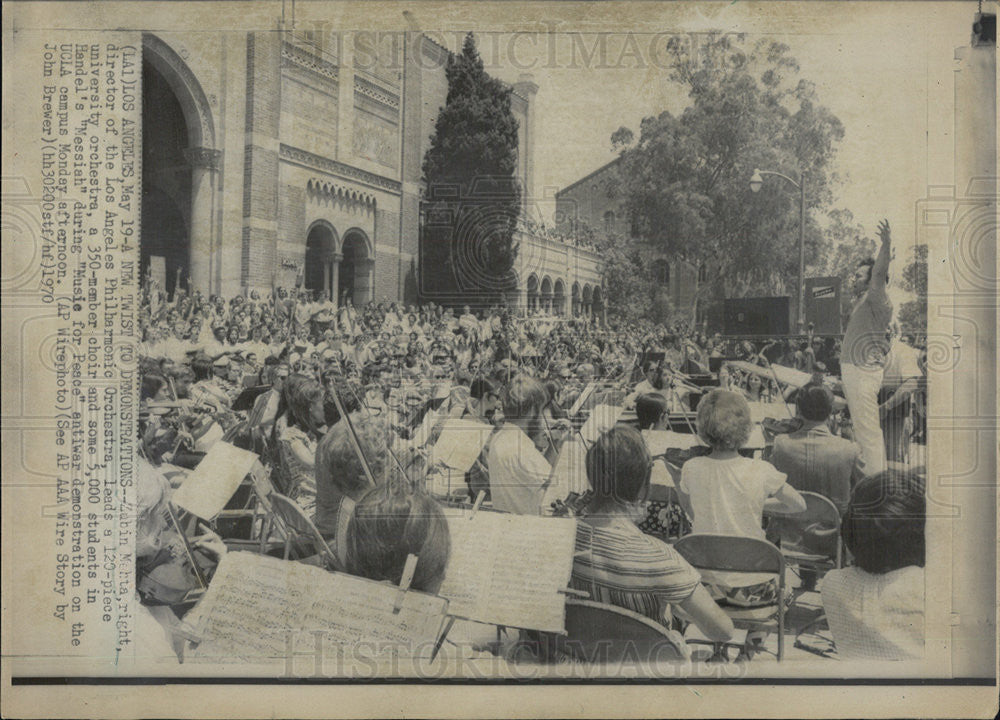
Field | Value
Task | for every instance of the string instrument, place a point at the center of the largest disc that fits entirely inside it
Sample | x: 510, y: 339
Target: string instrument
x: 178, y: 573
x: 575, y: 505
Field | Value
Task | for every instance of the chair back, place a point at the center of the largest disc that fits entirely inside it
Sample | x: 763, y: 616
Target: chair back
x: 707, y: 551
x: 599, y: 633
x: 297, y: 525
x: 791, y: 530
x: 732, y: 553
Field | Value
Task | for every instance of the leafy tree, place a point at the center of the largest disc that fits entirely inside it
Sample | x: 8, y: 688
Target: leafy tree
x: 912, y: 315
x: 472, y: 199
x: 629, y: 293
x: 686, y: 178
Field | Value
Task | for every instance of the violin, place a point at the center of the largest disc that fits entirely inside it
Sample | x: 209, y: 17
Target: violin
x: 172, y: 580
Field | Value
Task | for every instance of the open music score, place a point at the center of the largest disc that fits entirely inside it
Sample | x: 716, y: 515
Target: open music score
x: 211, y: 485
x: 460, y: 443
x: 509, y: 569
x: 261, y: 607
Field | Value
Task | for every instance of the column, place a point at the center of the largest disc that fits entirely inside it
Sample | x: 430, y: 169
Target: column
x: 335, y: 270
x: 205, y: 273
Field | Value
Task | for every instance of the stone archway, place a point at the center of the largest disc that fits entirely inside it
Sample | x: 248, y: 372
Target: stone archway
x: 179, y: 162
x: 559, y: 297
x: 598, y: 305
x: 320, y: 261
x: 356, y: 272
x: 532, y: 292
x: 546, y: 294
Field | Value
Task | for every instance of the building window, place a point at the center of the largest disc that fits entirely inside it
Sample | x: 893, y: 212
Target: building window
x: 634, y: 228
x: 609, y: 222
x: 703, y: 273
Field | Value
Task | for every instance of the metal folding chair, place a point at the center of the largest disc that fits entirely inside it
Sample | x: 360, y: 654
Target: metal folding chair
x: 731, y: 553
x: 298, y: 527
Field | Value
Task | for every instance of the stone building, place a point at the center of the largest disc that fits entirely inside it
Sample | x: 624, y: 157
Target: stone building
x: 594, y: 201
x: 278, y: 158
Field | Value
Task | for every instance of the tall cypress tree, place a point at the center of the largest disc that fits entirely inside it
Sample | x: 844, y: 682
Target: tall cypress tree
x: 472, y: 198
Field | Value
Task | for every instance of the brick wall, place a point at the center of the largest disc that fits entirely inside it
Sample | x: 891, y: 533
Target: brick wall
x: 259, y: 261
x: 260, y: 174
x: 292, y: 213
x: 386, y: 277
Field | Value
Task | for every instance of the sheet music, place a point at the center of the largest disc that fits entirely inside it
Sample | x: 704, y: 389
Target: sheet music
x: 258, y: 606
x: 584, y: 396
x: 461, y: 442
x: 570, y: 473
x: 508, y: 569
x: 212, y: 483
x: 423, y: 434
x: 602, y: 418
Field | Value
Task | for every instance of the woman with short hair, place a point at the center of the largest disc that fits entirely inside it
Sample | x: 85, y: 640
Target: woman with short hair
x: 390, y: 523
x: 620, y: 565
x: 875, y: 608
x: 297, y: 430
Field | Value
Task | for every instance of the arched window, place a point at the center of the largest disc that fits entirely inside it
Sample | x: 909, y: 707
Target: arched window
x: 609, y: 221
x: 702, y: 273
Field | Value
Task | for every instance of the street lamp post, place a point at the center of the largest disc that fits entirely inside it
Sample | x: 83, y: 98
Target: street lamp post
x: 756, y: 181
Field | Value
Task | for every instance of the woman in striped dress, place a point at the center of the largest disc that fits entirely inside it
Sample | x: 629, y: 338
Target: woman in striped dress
x: 620, y: 565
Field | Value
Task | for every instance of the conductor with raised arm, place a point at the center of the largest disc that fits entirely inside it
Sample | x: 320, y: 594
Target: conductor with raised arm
x: 865, y: 347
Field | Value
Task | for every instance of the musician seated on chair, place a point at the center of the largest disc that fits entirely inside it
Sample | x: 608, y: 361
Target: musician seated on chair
x: 620, y: 565
x: 666, y: 517
x: 875, y: 609
x: 813, y: 458
x: 339, y: 469
x: 519, y: 471
x: 726, y: 493
x: 295, y: 434
x: 391, y: 522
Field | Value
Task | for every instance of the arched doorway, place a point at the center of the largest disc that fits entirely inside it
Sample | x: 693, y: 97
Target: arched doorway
x: 166, y: 185
x: 546, y: 293
x: 356, y: 268
x: 598, y: 305
x: 559, y: 297
x: 588, y: 296
x: 532, y: 292
x: 318, y: 271
x: 179, y: 171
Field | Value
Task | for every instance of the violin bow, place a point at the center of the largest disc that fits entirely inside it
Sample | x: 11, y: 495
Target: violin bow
x: 357, y: 445
x: 199, y: 575
x: 352, y: 434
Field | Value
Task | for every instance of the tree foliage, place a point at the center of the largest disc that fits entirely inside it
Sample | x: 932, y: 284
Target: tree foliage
x: 912, y: 315
x: 686, y: 178
x: 472, y: 198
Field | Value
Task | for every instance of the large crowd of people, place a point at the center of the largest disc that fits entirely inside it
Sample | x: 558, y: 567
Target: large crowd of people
x: 343, y: 406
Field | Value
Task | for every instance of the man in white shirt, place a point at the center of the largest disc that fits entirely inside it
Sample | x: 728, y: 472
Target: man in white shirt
x: 519, y: 472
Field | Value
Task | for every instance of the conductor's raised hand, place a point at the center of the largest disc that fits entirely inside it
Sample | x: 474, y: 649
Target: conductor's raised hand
x: 883, y: 231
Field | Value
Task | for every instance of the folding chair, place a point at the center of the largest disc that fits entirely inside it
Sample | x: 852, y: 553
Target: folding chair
x: 599, y: 633
x: 805, y: 548
x: 297, y: 526
x: 708, y: 551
